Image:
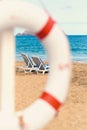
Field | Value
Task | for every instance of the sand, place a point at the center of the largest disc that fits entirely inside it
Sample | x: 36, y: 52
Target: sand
x: 73, y: 114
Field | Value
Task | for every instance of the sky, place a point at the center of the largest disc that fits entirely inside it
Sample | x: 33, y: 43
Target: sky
x: 71, y: 15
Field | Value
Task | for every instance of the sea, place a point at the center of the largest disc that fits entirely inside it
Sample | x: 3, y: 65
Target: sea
x: 31, y: 46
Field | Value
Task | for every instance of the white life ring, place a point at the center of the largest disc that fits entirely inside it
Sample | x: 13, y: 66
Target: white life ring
x: 24, y: 14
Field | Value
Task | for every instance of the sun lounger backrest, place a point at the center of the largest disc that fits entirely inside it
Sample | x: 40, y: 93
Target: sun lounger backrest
x: 42, y: 65
x: 26, y: 60
x: 38, y: 62
x: 33, y: 64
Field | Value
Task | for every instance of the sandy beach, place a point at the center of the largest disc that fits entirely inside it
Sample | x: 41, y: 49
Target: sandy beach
x: 73, y: 114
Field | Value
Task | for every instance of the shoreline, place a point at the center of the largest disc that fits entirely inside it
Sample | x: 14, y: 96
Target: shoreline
x: 84, y: 62
x: 46, y: 61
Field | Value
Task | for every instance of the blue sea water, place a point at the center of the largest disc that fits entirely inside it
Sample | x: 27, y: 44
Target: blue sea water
x: 78, y: 45
x: 31, y: 46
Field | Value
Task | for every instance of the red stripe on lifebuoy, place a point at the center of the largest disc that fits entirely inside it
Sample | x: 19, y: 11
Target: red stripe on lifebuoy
x: 51, y: 100
x: 62, y: 67
x: 46, y: 29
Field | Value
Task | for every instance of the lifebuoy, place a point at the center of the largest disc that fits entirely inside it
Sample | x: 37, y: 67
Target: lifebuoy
x: 23, y: 14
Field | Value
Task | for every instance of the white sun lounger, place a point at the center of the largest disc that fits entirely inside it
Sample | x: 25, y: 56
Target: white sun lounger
x: 40, y: 64
x: 28, y: 67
